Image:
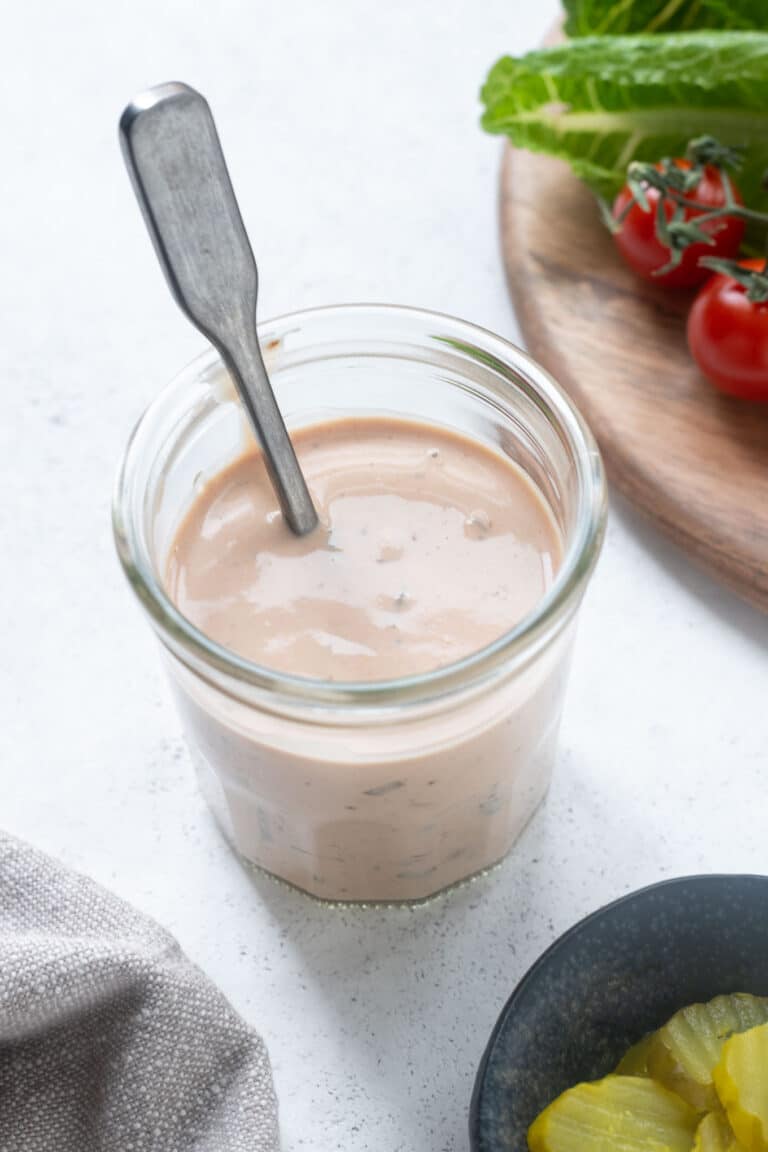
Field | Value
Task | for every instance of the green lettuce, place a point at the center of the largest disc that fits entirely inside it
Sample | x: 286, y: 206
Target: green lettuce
x: 620, y: 17
x: 600, y: 102
x: 737, y: 13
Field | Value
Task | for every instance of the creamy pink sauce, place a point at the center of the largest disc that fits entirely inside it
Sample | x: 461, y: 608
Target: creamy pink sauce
x: 430, y: 547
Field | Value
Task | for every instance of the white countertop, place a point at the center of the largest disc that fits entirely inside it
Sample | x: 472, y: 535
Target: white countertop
x: 351, y: 130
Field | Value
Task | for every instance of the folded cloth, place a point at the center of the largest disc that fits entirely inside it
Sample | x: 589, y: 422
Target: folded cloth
x: 109, y: 1038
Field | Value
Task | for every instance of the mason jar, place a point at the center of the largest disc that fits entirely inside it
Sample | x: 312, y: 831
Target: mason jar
x: 376, y: 790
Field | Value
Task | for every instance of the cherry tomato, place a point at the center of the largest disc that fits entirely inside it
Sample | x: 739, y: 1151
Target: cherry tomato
x: 728, y: 336
x: 644, y: 252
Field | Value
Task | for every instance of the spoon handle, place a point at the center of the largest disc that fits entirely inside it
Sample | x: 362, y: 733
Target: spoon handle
x: 174, y: 158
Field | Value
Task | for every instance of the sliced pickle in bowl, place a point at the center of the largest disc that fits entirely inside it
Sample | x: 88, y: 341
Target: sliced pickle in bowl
x: 714, y: 1134
x: 620, y: 1112
x: 686, y: 1050
x: 741, y: 1079
x: 635, y: 1061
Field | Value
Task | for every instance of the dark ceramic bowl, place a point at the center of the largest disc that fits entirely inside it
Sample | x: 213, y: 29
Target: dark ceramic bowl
x: 615, y: 976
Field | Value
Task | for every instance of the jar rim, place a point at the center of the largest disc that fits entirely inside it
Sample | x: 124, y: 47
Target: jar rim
x: 513, y: 647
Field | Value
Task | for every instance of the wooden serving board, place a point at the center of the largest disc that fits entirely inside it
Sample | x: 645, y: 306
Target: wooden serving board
x: 693, y: 460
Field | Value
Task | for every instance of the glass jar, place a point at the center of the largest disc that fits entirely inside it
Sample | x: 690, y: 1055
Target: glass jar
x: 374, y: 791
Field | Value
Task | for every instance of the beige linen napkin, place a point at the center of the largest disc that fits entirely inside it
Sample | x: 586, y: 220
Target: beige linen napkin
x: 110, y: 1040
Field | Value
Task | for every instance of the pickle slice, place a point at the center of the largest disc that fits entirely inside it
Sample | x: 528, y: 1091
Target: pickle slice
x: 686, y: 1050
x: 741, y: 1079
x: 617, y: 1114
x: 635, y: 1061
x: 715, y: 1134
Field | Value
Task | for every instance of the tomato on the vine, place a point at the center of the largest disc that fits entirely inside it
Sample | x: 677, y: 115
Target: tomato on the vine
x: 643, y: 250
x: 728, y: 335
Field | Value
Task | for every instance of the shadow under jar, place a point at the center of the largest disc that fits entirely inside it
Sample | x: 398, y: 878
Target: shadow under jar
x: 375, y: 790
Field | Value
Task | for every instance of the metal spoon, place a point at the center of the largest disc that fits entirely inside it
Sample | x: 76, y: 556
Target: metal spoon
x: 174, y: 158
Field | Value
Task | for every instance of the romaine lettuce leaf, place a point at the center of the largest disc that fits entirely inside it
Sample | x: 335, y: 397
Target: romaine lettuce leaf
x: 601, y: 101
x: 619, y: 17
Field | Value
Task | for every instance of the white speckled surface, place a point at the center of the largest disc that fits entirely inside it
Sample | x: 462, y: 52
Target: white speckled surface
x: 352, y: 137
